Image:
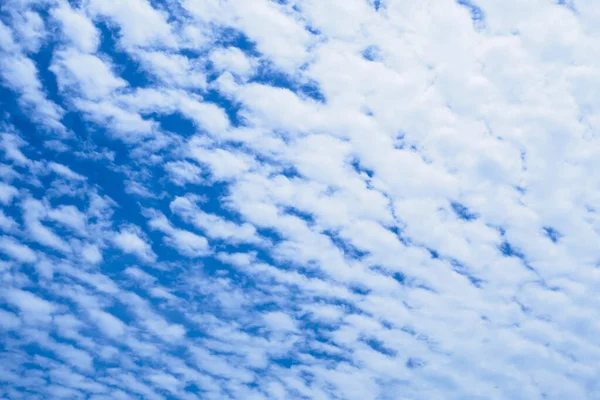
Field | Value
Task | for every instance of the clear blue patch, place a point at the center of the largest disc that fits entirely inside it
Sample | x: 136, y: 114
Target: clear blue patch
x: 399, y: 277
x: 434, y: 254
x: 371, y: 53
x: 414, y: 363
x: 570, y: 4
x: 360, y: 290
x: 552, y: 234
x: 521, y: 189
x: 285, y: 362
x: 460, y: 269
x: 380, y: 347
x: 42, y: 60
x: 175, y: 123
x: 267, y: 74
x: 477, y: 14
x: 463, y: 212
x: 350, y: 251
x: 360, y: 169
x: 508, y: 250
x: 229, y: 37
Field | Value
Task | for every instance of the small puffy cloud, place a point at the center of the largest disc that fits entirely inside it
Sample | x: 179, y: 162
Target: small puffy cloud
x: 183, y: 172
x: 65, y: 172
x: 71, y: 217
x: 130, y: 240
x: 91, y: 253
x: 186, y: 243
x: 11, y: 145
x: 33, y: 308
x: 87, y: 75
x: 33, y: 213
x: 76, y: 357
x: 7, y: 42
x: 174, y: 69
x: 9, y: 321
x: 7, y: 223
x: 16, y: 250
x: 140, y: 23
x: 214, y: 226
x: 233, y: 60
x: 30, y: 30
x: 21, y: 75
x: 223, y: 164
x: 108, y: 323
x: 278, y: 34
x: 7, y: 193
x: 76, y: 27
x: 206, y: 115
x: 279, y: 321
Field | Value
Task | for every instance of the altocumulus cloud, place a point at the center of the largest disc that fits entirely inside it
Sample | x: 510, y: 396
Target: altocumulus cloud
x: 299, y: 199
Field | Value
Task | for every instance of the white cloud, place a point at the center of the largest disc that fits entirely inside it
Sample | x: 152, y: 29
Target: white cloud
x: 213, y: 225
x: 30, y: 30
x: 140, y: 23
x: 7, y: 223
x: 174, y: 69
x: 9, y: 321
x: 77, y: 27
x: 279, y: 321
x: 33, y: 212
x: 279, y: 35
x: 108, y: 323
x: 86, y: 74
x: 65, y: 171
x: 71, y: 217
x: 129, y: 239
x: 182, y: 172
x: 20, y: 74
x: 16, y: 250
x: 186, y: 243
x: 7, y: 193
x: 91, y: 253
x: 32, y: 307
x: 223, y: 164
x: 233, y: 60
x: 11, y: 144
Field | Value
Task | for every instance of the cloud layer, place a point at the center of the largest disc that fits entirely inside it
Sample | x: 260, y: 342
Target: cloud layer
x: 255, y: 199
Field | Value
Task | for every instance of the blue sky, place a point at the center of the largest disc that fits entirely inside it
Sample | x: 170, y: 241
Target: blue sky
x: 256, y: 199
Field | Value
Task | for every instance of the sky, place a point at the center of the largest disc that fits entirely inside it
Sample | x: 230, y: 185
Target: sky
x: 299, y: 199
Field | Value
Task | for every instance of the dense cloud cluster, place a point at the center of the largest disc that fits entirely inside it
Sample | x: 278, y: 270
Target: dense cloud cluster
x: 302, y: 199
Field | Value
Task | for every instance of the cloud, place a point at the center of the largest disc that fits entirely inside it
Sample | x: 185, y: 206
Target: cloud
x: 16, y: 250
x: 213, y: 225
x: 130, y: 240
x: 20, y: 74
x: 174, y: 69
x: 140, y: 23
x: 233, y: 60
x: 32, y: 307
x: 186, y: 243
x: 65, y: 171
x: 182, y: 172
x: 7, y: 193
x: 91, y: 253
x: 85, y: 74
x: 76, y: 27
